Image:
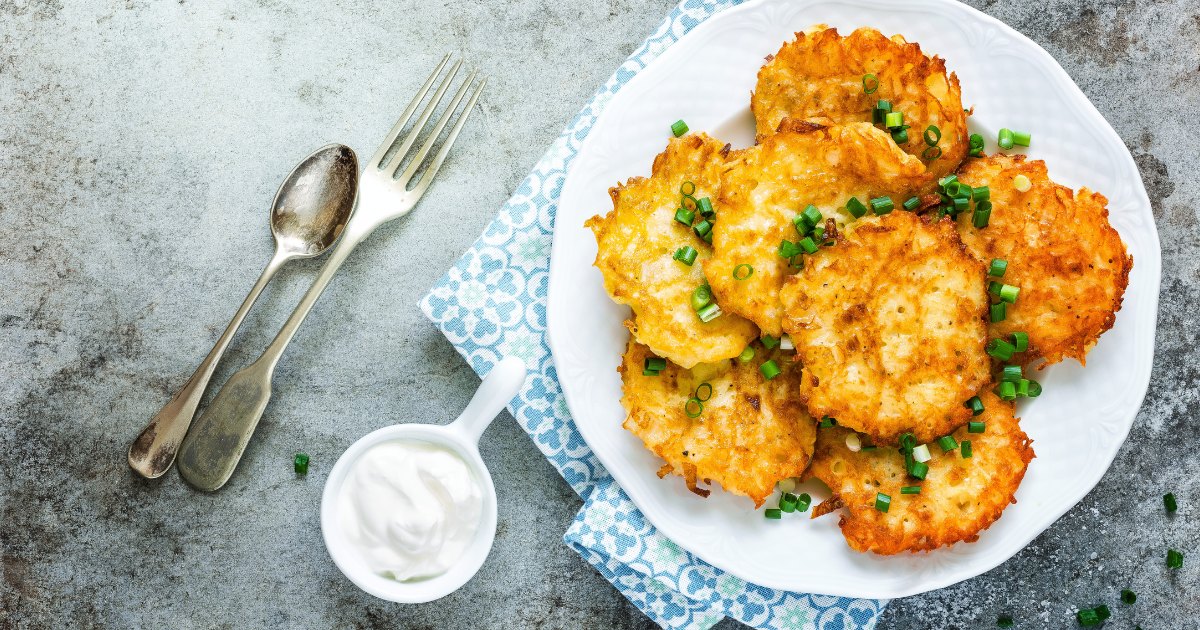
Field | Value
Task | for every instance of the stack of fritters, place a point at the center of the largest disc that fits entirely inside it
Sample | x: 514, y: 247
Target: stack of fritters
x: 874, y: 313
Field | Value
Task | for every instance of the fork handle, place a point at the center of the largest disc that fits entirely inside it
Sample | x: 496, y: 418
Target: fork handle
x: 153, y: 451
x: 214, y: 445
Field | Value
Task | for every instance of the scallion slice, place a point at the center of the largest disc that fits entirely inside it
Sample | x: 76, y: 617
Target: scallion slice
x: 918, y: 470
x: 657, y: 364
x: 1020, y: 138
x: 947, y: 443
x: 649, y: 372
x: 709, y: 313
x: 1022, y: 183
x: 1087, y: 618
x: 769, y: 369
x: 773, y: 513
x: 1011, y: 373
x: 961, y: 204
x: 708, y: 237
x: 1000, y: 349
x: 976, y: 427
x: 994, y: 287
x: 900, y: 136
x: 689, y: 203
x: 975, y: 405
x: 946, y: 181
x: 921, y: 453
x: 1023, y: 388
x: 856, y: 207
x: 742, y: 271
x: 769, y: 341
x: 802, y: 502
x: 1008, y: 293
x: 882, y: 205
x: 1020, y: 341
x: 1005, y: 139
x: 703, y: 228
x: 812, y: 215
x: 685, y: 217
x: 746, y: 354
x: 1169, y: 502
x: 827, y: 422
x: 870, y: 83
x: 976, y: 145
x: 701, y: 296
x: 1006, y: 391
x: 686, y: 255
x: 965, y: 449
x: 1128, y: 596
x: 912, y: 204
x: 1004, y: 622
x: 998, y: 267
x: 998, y: 313
x: 932, y: 135
x: 893, y: 120
x: 707, y: 392
x: 870, y: 447
x: 983, y: 193
x: 882, y: 502
x: 1035, y: 389
x: 693, y: 408
x: 910, y: 490
x: 1174, y: 559
x: 808, y: 245
x: 983, y: 214
x: 301, y: 464
x: 687, y: 189
x: 931, y: 153
x: 679, y: 128
x: 705, y: 208
x: 787, y: 502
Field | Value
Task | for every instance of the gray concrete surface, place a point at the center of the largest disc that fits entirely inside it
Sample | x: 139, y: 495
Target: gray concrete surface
x: 140, y: 145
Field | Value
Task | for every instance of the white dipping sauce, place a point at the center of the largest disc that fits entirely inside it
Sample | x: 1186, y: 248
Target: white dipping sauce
x: 409, y: 509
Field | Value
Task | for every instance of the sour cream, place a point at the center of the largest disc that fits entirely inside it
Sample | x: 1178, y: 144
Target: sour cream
x: 409, y: 509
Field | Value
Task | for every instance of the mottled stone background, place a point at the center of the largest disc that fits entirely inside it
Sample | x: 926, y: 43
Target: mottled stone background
x: 140, y: 145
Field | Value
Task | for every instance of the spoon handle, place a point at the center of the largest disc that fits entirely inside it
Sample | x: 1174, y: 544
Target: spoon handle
x: 498, y: 388
x: 153, y: 451
x: 214, y: 445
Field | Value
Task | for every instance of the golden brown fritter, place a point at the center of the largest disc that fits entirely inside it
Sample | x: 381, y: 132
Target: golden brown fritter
x: 769, y: 184
x: 891, y: 326
x: 959, y: 498
x: 637, y: 241
x: 1068, y: 262
x: 751, y: 433
x: 819, y: 77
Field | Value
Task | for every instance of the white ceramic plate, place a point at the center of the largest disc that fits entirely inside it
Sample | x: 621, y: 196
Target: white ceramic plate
x: 1077, y: 425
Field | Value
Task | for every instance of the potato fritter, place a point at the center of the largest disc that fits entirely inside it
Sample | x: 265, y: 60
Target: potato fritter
x: 959, y: 497
x: 1068, y: 262
x: 751, y: 432
x: 819, y: 77
x: 769, y: 184
x: 891, y: 326
x: 637, y: 241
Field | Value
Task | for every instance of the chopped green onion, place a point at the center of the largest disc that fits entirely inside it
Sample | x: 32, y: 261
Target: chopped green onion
x: 649, y: 372
x: 1022, y: 183
x: 827, y: 422
x: 983, y: 193
x: 912, y: 204
x: 1000, y: 349
x: 954, y: 188
x: 657, y: 364
x: 998, y: 267
x: 921, y: 453
x: 994, y: 287
x: 685, y: 217
x: 983, y: 213
x: 769, y: 341
x: 693, y: 403
x: 946, y: 181
x: 908, y: 441
x: 976, y: 427
x: 701, y: 296
x: 918, y: 470
x: 687, y: 189
x: 900, y: 136
x: 998, y: 313
x: 870, y: 83
x: 1006, y: 391
x: 746, y: 354
x: 1102, y: 612
x: 1035, y: 389
x: 1023, y: 388
x: 703, y: 228
x: 1020, y: 138
x: 803, y: 501
x: 882, y: 205
x: 788, y: 249
x: 1169, y: 502
x: 1008, y: 293
x: 689, y: 203
x: 961, y: 204
x: 709, y: 313
x: 881, y: 109
x: 679, y: 128
x: 1020, y: 341
x: 1128, y: 596
x: 769, y: 369
x: 856, y: 208
x: 976, y: 145
x: 947, y: 443
x: 931, y: 153
x: 1004, y: 622
x: 707, y: 392
x: 686, y: 255
x: 1087, y: 618
x: 870, y: 447
x: 705, y: 207
x: 708, y: 238
x: 742, y: 271
x: 975, y: 405
x: 882, y: 502
x: 808, y: 245
x: 910, y: 490
x: 301, y: 464
x: 1011, y: 373
x: 893, y: 119
x: 774, y: 513
x: 812, y: 215
x: 787, y: 502
x: 966, y: 449
x: 933, y: 135
x: 1174, y: 559
x: 1006, y: 139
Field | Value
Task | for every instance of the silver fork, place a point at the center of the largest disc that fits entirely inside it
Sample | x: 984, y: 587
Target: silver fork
x: 216, y: 441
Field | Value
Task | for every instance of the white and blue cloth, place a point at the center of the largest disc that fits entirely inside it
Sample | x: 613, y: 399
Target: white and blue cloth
x: 492, y: 304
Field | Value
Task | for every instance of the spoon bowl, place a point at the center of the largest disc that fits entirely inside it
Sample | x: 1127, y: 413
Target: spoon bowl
x: 461, y: 437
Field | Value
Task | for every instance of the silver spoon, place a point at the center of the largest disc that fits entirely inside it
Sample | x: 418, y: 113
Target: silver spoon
x: 310, y: 210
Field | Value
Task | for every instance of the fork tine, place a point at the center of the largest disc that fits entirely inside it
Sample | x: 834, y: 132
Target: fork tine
x: 437, y: 130
x: 419, y: 189
x: 391, y: 137
x: 405, y: 145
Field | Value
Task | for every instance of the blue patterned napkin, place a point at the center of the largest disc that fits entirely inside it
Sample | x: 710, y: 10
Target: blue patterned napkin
x: 492, y: 304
